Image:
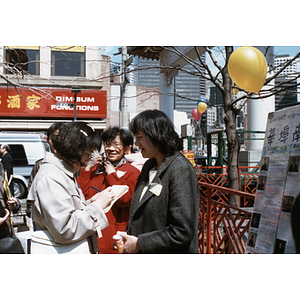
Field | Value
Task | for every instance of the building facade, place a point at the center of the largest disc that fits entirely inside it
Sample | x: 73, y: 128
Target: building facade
x: 37, y: 86
x: 188, y: 88
x: 288, y: 95
x: 290, y: 70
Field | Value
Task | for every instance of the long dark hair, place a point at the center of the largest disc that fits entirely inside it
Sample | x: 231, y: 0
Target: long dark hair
x: 74, y: 138
x: 159, y: 129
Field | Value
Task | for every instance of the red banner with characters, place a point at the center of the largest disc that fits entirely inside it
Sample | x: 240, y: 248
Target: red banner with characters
x: 52, y: 103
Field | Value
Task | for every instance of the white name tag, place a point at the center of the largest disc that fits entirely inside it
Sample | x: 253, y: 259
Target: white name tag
x: 120, y: 173
x: 155, y: 188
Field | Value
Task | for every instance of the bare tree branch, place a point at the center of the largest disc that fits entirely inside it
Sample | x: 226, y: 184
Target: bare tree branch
x: 286, y: 64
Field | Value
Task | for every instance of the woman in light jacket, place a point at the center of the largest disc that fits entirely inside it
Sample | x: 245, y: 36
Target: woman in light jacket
x: 165, y: 205
x: 59, y: 205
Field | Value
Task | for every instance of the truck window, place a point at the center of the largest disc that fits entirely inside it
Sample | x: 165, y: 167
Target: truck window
x: 18, y: 155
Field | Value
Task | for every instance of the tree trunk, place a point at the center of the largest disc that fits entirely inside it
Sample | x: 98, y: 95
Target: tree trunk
x: 232, y: 137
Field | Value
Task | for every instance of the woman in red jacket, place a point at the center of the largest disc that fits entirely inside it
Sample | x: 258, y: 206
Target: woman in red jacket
x: 101, y: 173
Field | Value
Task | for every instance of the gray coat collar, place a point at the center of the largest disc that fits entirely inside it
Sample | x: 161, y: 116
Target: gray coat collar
x: 144, y: 177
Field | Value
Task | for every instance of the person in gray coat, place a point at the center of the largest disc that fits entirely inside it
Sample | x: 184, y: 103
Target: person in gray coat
x: 165, y: 205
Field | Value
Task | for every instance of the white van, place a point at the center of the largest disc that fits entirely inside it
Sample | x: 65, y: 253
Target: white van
x: 25, y: 149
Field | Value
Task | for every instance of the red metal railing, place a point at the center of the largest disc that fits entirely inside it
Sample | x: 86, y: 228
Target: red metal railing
x: 218, y: 176
x: 222, y: 228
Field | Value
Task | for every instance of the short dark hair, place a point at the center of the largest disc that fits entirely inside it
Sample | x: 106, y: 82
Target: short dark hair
x: 74, y: 138
x: 159, y: 129
x: 6, y: 147
x: 53, y: 127
x: 112, y: 131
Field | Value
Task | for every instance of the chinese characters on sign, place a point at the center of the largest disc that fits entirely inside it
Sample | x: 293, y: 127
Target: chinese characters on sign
x: 278, y: 185
x: 50, y: 103
x: 15, y: 101
x: 283, y: 135
x: 271, y: 136
x: 33, y: 102
x: 296, y: 134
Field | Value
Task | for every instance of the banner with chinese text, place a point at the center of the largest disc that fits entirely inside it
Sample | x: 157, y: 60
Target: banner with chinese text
x: 278, y: 185
x: 52, y: 103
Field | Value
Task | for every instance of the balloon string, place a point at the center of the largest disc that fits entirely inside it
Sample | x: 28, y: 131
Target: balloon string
x: 268, y: 109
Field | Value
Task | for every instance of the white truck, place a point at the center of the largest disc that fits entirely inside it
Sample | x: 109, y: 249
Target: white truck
x: 26, y: 149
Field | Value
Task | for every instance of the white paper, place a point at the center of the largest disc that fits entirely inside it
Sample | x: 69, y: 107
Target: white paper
x: 278, y: 185
x: 119, y: 191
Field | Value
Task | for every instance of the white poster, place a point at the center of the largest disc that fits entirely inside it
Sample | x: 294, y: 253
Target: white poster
x: 278, y: 185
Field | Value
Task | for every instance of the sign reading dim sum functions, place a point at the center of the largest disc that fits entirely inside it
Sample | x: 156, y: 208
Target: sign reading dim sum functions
x: 52, y: 103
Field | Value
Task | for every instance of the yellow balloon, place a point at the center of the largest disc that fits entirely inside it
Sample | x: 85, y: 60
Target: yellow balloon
x: 202, y: 106
x: 247, y: 67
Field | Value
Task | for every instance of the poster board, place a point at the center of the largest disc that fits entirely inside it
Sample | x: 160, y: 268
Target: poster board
x: 278, y: 185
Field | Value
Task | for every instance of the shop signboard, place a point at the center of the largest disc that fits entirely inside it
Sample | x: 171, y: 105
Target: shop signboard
x: 52, y: 103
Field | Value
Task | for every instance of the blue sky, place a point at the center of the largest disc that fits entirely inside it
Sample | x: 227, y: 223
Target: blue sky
x: 278, y: 50
x: 110, y: 50
x: 292, y: 50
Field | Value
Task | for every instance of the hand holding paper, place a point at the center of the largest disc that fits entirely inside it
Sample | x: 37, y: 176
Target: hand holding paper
x: 110, y: 195
x: 119, y: 191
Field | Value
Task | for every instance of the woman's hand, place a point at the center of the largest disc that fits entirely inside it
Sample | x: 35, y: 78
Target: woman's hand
x: 98, y: 160
x: 105, y: 197
x: 109, y: 168
x: 131, y: 244
x: 3, y: 219
x: 13, y: 203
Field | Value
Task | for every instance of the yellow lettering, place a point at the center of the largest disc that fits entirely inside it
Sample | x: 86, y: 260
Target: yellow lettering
x: 13, y: 101
x: 33, y: 102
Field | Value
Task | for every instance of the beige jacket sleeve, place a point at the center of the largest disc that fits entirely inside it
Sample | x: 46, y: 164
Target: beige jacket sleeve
x: 61, y: 209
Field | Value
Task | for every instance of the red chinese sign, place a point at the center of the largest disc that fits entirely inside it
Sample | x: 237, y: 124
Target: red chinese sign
x: 52, y: 103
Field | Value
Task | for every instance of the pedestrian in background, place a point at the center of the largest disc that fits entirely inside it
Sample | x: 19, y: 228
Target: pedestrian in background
x: 165, y: 205
x: 59, y: 205
x: 133, y: 156
x: 7, y: 162
x: 9, y: 243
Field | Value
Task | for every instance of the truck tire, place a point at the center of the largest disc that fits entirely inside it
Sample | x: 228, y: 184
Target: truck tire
x: 20, y: 189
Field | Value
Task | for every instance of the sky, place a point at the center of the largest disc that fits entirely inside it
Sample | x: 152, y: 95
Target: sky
x: 278, y: 50
x: 291, y: 50
x: 110, y: 50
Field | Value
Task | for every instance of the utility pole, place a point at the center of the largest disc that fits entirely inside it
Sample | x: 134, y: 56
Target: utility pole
x: 123, y: 100
x: 75, y: 90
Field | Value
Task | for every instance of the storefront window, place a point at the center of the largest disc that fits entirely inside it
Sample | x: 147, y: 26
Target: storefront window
x: 25, y: 60
x: 68, y: 62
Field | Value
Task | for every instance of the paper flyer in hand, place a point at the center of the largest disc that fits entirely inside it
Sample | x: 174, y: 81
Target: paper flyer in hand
x: 119, y: 191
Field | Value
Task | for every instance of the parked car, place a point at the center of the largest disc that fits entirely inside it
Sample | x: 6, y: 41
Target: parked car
x: 26, y: 149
